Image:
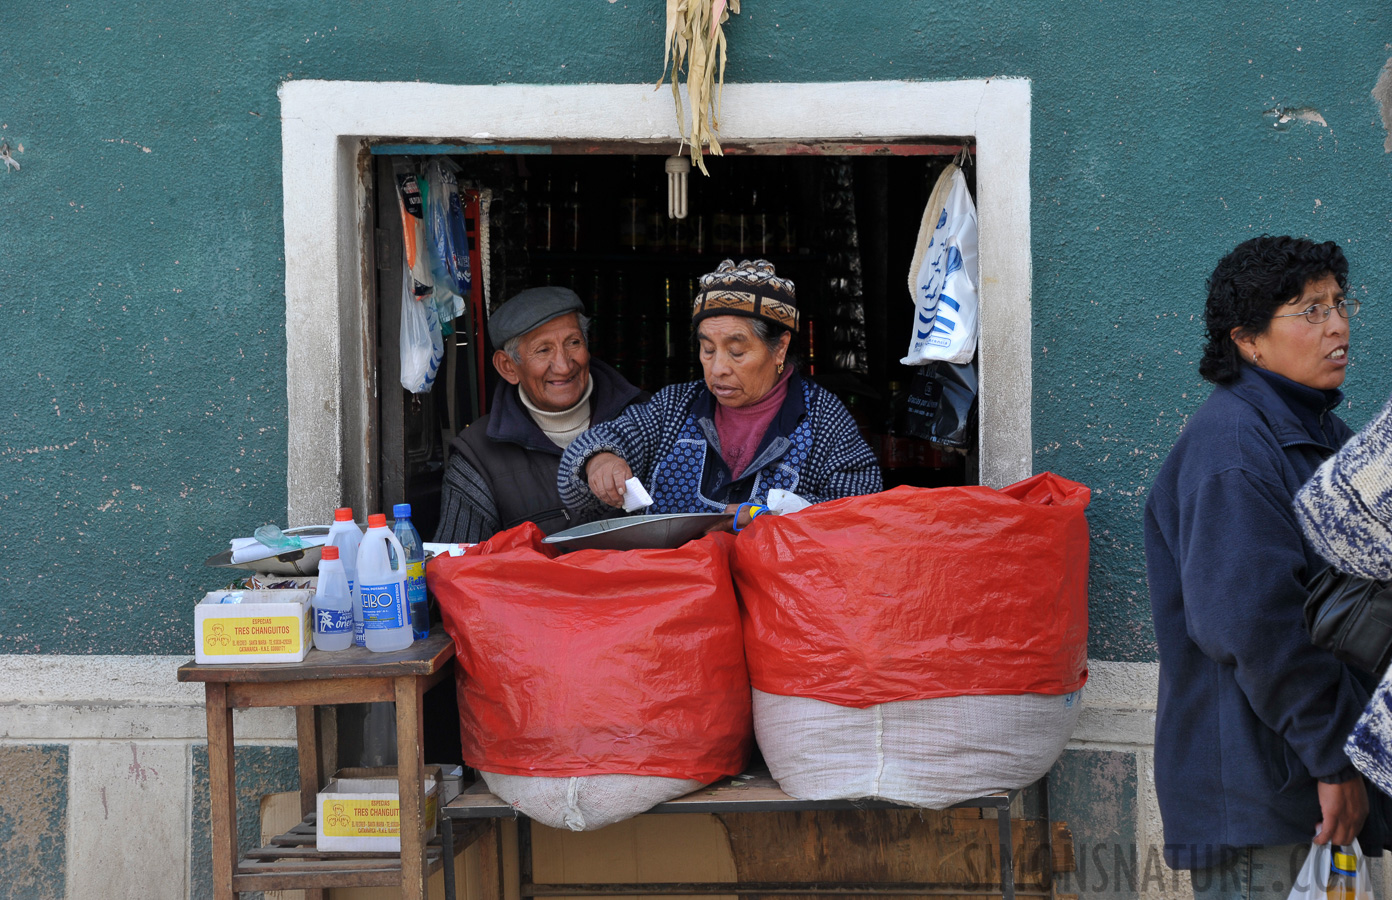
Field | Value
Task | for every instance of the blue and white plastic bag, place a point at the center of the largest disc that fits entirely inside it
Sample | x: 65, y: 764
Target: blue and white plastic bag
x: 448, y: 242
x: 943, y: 276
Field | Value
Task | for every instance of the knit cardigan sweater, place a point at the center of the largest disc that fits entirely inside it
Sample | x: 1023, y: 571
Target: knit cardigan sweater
x: 812, y: 449
x: 1346, y: 511
x: 1346, y: 508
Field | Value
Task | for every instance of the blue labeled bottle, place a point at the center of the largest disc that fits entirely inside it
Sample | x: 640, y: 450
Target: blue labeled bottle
x: 410, y: 540
x: 382, y: 588
x: 333, y: 604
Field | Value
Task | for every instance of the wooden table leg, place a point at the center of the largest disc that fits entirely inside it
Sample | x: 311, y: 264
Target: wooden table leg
x: 222, y: 786
x: 491, y: 860
x: 307, y: 744
x: 311, y: 775
x: 410, y: 765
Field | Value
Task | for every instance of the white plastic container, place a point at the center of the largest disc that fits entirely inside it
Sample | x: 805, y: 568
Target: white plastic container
x: 382, y: 588
x: 346, y: 536
x: 333, y: 604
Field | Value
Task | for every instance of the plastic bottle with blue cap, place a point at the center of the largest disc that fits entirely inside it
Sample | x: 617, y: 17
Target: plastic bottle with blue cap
x: 416, y: 597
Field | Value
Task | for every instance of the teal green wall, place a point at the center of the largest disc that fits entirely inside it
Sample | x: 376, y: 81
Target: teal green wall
x: 141, y: 276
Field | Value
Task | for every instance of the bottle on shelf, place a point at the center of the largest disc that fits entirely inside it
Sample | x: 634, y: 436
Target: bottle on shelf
x: 725, y: 224
x: 671, y: 352
x: 698, y: 224
x: 657, y: 220
x: 633, y: 213
x: 784, y: 227
x: 382, y: 572
x: 545, y: 220
x: 757, y: 223
x: 333, y: 604
x: 416, y: 599
x: 896, y: 453
x: 346, y: 536
x: 599, y: 316
x: 570, y: 232
x: 616, y: 345
x: 693, y: 360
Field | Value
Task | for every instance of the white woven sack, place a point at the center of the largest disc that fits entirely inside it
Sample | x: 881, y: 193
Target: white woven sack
x: 588, y: 802
x: 929, y: 753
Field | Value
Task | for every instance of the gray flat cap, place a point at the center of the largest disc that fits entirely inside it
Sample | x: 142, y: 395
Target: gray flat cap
x: 529, y: 309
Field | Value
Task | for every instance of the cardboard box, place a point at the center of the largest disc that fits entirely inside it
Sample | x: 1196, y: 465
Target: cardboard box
x: 253, y: 627
x: 359, y: 809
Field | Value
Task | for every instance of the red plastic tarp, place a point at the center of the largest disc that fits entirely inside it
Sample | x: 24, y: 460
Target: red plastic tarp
x: 913, y: 593
x: 599, y: 661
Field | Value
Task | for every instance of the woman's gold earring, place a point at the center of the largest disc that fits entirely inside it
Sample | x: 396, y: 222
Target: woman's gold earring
x: 779, y: 369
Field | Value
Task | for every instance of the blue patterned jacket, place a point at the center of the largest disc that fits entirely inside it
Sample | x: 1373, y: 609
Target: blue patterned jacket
x: 811, y: 448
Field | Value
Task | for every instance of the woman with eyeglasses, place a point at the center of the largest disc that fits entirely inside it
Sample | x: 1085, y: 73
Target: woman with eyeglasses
x: 1251, y: 719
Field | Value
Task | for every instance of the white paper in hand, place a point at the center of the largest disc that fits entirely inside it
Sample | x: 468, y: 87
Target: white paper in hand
x: 636, y: 496
x: 784, y: 502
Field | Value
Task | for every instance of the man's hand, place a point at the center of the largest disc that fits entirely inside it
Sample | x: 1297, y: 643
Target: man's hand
x: 607, y: 472
x: 1344, y: 807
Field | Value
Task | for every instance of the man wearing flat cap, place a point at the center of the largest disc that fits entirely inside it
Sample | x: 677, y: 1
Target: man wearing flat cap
x: 502, y: 468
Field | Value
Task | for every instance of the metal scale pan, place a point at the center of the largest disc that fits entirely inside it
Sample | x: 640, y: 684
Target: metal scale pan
x: 293, y: 562
x: 666, y: 531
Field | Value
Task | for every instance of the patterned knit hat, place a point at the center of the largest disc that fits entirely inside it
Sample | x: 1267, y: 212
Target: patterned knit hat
x: 748, y: 289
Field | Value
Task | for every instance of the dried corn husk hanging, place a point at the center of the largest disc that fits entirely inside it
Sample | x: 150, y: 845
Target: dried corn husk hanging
x: 696, y: 43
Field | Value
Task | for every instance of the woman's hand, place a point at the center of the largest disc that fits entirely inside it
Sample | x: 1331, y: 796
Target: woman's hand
x: 606, y: 474
x: 1344, y: 806
x: 745, y: 517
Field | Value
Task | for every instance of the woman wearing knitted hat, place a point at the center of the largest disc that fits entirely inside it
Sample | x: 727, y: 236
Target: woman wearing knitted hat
x: 751, y: 425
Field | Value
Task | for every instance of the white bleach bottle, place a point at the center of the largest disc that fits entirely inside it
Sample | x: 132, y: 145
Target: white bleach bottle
x: 345, y: 535
x: 382, y: 588
x: 333, y: 605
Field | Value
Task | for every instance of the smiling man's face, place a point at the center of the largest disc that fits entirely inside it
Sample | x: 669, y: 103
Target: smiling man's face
x: 553, y: 368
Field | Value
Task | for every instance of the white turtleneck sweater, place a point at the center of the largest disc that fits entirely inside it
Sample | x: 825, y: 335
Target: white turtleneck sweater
x: 564, y: 426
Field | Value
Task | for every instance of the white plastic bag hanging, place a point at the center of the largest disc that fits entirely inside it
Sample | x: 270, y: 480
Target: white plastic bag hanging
x: 942, y: 276
x: 422, y: 343
x: 1313, y: 882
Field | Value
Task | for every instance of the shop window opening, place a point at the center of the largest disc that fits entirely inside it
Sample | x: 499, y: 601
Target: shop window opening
x: 842, y: 226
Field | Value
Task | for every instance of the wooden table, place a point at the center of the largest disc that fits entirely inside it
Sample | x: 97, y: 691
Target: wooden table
x: 751, y: 793
x: 348, y: 676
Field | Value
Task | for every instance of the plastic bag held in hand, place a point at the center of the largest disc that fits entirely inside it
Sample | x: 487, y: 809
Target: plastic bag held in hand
x: 912, y: 594
x: 597, y: 662
x: 1314, y: 880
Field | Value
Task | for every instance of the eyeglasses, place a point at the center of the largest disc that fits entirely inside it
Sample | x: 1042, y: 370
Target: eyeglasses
x: 1319, y: 312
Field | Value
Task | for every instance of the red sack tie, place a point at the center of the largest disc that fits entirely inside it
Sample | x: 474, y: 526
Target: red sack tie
x: 912, y: 593
x: 597, y: 662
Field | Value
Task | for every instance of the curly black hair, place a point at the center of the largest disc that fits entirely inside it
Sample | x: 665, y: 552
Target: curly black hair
x: 1250, y: 283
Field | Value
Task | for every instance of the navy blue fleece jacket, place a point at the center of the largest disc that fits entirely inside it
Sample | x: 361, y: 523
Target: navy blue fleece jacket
x: 1251, y: 714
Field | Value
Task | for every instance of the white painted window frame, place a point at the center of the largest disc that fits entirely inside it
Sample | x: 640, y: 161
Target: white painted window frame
x: 325, y: 127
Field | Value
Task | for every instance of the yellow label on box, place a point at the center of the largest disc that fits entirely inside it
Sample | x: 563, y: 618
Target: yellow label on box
x: 251, y: 635
x: 344, y: 817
